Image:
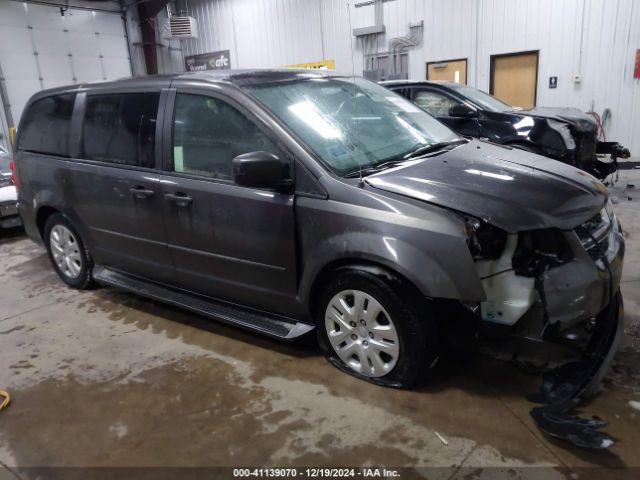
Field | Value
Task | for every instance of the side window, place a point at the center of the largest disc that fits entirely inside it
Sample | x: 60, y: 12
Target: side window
x: 401, y: 91
x: 121, y: 128
x: 208, y: 134
x: 46, y: 125
x: 435, y: 103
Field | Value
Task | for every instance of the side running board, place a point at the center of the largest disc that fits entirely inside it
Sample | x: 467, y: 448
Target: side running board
x: 272, y: 325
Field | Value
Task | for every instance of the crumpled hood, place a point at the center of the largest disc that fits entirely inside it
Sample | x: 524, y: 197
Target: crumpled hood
x: 509, y: 188
x: 579, y: 119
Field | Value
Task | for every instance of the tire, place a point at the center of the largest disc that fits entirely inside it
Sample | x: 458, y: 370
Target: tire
x: 67, y: 252
x: 398, y: 319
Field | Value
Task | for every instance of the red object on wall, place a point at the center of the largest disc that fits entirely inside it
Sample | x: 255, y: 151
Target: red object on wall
x: 636, y: 72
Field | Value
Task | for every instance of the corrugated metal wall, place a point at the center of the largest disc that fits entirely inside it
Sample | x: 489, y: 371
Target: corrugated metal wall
x: 594, y: 38
x: 259, y: 33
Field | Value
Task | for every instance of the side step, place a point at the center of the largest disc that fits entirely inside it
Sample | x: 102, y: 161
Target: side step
x: 271, y: 325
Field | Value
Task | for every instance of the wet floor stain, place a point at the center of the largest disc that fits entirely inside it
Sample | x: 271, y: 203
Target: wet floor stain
x: 105, y: 378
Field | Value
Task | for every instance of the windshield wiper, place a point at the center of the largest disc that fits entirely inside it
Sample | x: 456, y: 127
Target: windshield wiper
x: 364, y: 171
x: 432, y: 147
x: 375, y: 168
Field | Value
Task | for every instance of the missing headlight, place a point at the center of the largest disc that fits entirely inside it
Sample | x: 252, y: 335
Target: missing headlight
x: 484, y: 240
x: 540, y: 250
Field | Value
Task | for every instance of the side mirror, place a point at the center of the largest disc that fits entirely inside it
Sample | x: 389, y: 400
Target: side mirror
x: 461, y: 110
x: 261, y: 170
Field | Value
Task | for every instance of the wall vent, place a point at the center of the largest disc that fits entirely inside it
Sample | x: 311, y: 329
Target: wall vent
x: 183, y: 27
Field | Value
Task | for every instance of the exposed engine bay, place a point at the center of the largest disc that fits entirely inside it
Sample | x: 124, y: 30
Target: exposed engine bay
x: 539, y: 283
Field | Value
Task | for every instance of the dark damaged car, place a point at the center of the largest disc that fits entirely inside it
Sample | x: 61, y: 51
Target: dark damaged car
x: 290, y: 201
x: 565, y: 134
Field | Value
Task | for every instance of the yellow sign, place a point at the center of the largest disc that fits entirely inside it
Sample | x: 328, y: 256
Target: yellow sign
x: 321, y: 65
x: 12, y: 134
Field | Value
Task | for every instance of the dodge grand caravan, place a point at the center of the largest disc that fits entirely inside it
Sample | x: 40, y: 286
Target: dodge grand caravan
x: 287, y: 201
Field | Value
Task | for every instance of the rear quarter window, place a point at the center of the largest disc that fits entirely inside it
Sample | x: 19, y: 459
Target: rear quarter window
x: 46, y: 125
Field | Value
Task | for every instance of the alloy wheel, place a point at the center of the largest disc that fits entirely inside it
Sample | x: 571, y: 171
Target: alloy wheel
x: 65, y: 250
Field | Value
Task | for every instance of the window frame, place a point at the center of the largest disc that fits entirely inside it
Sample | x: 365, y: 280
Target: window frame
x: 167, y: 136
x: 428, y: 88
x: 78, y: 119
x: 70, y: 136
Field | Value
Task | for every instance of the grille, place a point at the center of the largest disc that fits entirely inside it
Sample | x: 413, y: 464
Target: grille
x: 594, y: 234
x: 592, y: 227
x: 599, y: 249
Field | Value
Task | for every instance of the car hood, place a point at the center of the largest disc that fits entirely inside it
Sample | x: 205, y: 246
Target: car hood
x: 581, y: 120
x: 509, y: 188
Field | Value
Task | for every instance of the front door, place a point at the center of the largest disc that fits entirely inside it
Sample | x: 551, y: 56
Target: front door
x: 227, y: 241
x: 439, y: 104
x: 113, y: 183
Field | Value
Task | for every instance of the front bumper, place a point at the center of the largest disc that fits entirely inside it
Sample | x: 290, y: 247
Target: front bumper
x: 568, y: 385
x: 583, y: 287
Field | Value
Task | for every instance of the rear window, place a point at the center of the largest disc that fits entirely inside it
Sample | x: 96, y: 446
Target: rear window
x: 121, y: 128
x: 45, y: 128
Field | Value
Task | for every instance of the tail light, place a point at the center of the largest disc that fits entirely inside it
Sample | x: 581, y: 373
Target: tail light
x: 14, y: 176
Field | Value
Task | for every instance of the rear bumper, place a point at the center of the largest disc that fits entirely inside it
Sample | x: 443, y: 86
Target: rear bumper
x: 9, y: 217
x: 27, y: 214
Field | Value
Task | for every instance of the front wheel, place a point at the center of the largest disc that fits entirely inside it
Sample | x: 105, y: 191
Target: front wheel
x: 378, y: 334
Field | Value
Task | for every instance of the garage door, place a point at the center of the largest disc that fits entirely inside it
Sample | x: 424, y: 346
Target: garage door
x: 40, y: 48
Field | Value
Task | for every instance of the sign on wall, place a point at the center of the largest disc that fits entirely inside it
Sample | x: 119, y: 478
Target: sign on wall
x: 320, y: 65
x: 220, y: 60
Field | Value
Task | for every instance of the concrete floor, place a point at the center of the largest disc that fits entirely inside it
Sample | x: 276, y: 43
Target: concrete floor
x: 102, y: 378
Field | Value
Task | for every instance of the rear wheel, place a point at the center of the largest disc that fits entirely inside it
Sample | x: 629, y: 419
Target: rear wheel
x: 67, y: 252
x: 373, y: 332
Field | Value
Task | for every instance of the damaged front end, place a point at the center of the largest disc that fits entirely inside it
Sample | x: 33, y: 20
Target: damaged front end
x: 544, y: 282
x: 580, y: 144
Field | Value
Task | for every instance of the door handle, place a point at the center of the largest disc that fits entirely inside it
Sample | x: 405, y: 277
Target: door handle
x: 180, y: 199
x: 141, y: 192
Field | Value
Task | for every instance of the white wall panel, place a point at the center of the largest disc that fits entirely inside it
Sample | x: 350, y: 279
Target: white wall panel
x: 271, y: 33
x: 337, y: 42
x: 246, y: 28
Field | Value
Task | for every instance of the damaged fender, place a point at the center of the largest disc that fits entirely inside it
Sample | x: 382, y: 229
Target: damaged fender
x: 429, y: 250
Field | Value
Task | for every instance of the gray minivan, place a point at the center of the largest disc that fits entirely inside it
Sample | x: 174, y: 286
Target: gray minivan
x: 286, y: 201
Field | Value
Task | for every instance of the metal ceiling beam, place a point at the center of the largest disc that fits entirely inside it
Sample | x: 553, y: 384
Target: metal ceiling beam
x: 147, y: 12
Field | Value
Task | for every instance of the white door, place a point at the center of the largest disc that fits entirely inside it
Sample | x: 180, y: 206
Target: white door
x: 41, y: 48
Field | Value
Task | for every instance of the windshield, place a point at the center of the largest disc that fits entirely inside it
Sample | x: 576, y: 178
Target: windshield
x: 483, y: 99
x: 378, y: 127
